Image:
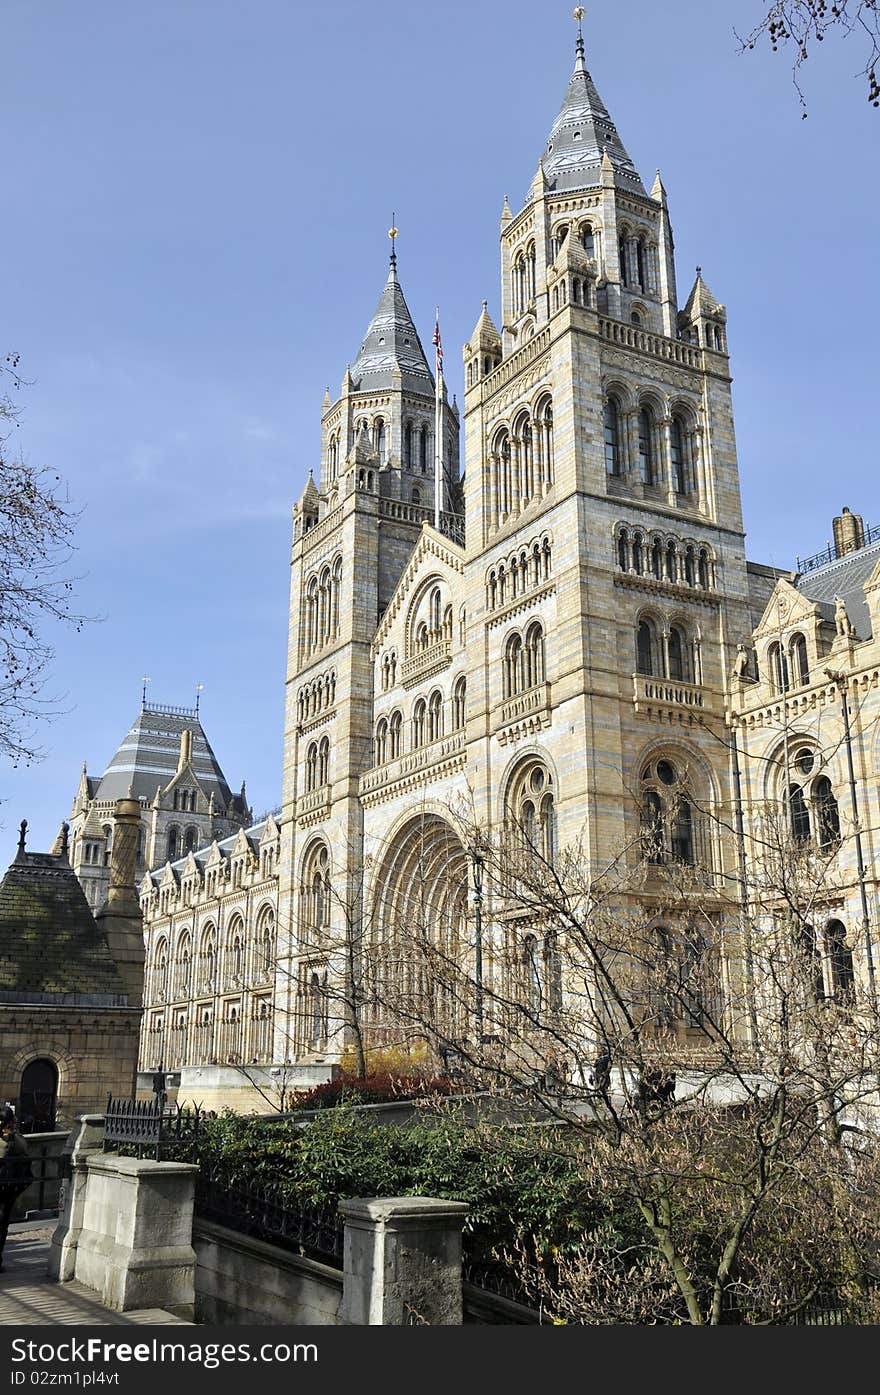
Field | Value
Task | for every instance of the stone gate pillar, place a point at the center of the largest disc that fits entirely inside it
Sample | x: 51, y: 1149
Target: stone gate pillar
x: 402, y: 1261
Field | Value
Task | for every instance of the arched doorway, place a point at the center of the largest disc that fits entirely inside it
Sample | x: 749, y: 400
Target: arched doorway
x: 37, y: 1096
x: 417, y: 951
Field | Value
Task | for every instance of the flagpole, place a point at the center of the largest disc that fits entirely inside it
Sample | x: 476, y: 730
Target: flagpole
x: 438, y: 426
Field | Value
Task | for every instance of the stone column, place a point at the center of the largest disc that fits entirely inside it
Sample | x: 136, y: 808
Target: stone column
x: 135, y: 1244
x: 402, y: 1261
x: 87, y: 1136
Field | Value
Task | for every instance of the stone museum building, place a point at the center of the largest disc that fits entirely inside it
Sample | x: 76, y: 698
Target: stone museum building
x: 568, y: 634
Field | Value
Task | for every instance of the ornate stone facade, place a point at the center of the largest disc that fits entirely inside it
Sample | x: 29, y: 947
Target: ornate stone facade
x: 558, y: 653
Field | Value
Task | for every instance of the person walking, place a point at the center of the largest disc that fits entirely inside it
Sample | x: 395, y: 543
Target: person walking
x: 16, y: 1172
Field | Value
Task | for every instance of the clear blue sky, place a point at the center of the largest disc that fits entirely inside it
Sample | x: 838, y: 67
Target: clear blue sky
x: 196, y: 199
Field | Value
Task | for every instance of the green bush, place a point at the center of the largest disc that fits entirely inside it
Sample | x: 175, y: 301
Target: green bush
x: 524, y: 1186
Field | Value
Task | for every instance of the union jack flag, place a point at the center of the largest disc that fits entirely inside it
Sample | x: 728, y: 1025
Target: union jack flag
x: 438, y: 345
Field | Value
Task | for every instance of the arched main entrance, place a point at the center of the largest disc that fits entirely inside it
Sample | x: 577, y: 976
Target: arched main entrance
x: 418, y: 942
x: 37, y: 1096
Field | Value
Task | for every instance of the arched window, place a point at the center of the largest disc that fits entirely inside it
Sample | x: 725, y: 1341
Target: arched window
x: 690, y: 566
x: 799, y: 815
x: 324, y: 761
x: 827, y: 815
x: 657, y: 559
x: 613, y: 457
x: 459, y: 694
x: 173, y: 840
x: 531, y: 810
x: 381, y: 742
x: 379, y: 439
x: 641, y: 265
x: 645, y: 647
x: 235, y: 951
x: 778, y: 665
x: 671, y: 561
x: 209, y: 959
x: 623, y: 550
x: 533, y: 656
x: 513, y: 666
x: 312, y: 767
x: 408, y: 445
x: 160, y: 980
x: 588, y: 241
x: 676, y: 455
x: 647, y: 459
x: 189, y: 841
x: 799, y: 663
x: 418, y: 724
x: 638, y: 554
x: 622, y: 254
x: 840, y: 962
x: 679, y: 667
x: 395, y: 726
x: 266, y: 942
x: 703, y: 569
x: 668, y: 820
x: 184, y: 956
x: 435, y: 717
x: 544, y: 443
x: 315, y: 892
x: 423, y: 450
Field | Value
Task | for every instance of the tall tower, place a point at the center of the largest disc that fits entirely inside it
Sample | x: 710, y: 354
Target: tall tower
x: 606, y: 575
x: 353, y: 534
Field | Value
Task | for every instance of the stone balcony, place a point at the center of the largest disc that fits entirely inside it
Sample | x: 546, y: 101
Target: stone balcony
x: 669, y: 699
x: 430, y: 660
x: 314, y: 806
x: 525, y: 713
x: 448, y: 750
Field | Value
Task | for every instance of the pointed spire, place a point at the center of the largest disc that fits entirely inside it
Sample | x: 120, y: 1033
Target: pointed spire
x: 658, y: 190
x: 506, y: 214
x: 485, y: 335
x: 326, y: 403
x: 573, y: 155
x: 391, y: 341
x: 22, y: 835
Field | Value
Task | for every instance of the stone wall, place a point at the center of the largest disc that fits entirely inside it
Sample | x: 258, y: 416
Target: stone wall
x: 243, y: 1280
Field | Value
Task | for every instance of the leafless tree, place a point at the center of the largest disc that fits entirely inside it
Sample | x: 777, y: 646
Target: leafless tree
x: 36, y: 533
x: 796, y: 25
x: 715, y: 1092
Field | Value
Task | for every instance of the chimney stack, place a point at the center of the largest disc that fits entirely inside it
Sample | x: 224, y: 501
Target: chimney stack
x: 120, y: 917
x: 849, y: 533
x: 186, y: 750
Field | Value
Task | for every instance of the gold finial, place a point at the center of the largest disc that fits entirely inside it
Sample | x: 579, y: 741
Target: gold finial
x: 392, y: 233
x: 579, y: 46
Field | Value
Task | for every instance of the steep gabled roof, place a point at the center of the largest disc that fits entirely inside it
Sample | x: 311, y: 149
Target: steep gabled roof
x: 583, y: 129
x: 149, y: 756
x: 50, y: 944
x: 391, y: 344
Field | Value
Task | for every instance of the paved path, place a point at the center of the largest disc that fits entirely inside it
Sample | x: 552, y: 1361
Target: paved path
x: 28, y: 1297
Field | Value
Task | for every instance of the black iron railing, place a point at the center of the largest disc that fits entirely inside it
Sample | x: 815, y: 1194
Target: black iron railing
x: 830, y: 554
x: 259, y: 1209
x: 146, y: 1128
